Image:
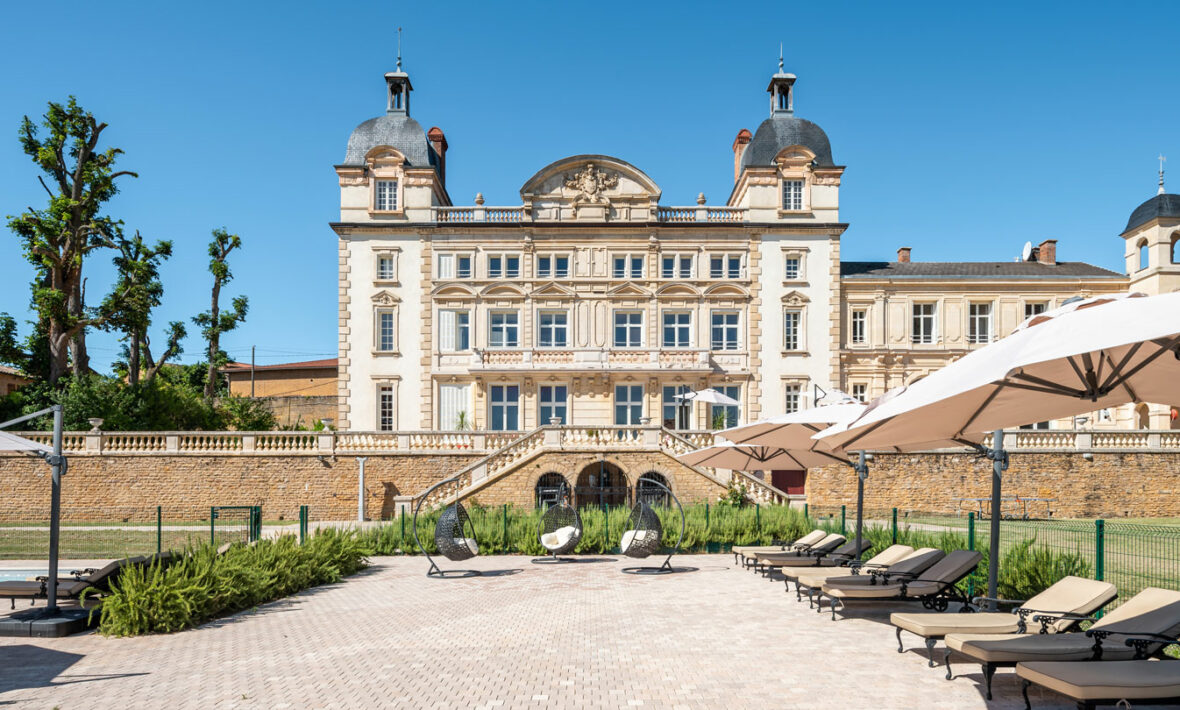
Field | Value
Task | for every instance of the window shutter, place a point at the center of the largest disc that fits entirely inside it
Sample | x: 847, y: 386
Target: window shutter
x: 446, y: 333
x: 446, y: 266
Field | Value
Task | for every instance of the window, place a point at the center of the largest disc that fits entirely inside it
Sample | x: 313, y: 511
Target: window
x: 791, y: 329
x: 553, y: 330
x: 503, y: 329
x: 676, y: 266
x: 794, y: 396
x: 628, y: 329
x: 1144, y: 257
x: 724, y: 333
x: 1175, y: 251
x: 503, y: 266
x: 725, y: 266
x: 923, y: 324
x: 979, y: 323
x: 857, y: 326
x: 1035, y: 309
x: 386, y: 331
x: 676, y: 413
x: 723, y: 416
x: 446, y: 266
x: 860, y: 391
x: 386, y: 270
x: 628, y: 404
x: 454, y: 331
x: 1035, y: 426
x: 628, y: 266
x: 553, y: 266
x: 791, y: 269
x: 385, y: 407
x: 504, y: 408
x: 463, y: 266
x: 453, y: 401
x: 793, y: 195
x: 385, y: 199
x: 677, y: 329
x: 552, y: 399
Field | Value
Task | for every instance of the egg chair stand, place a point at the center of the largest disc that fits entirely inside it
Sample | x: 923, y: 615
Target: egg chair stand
x: 559, y: 531
x: 454, y: 535
x: 644, y: 532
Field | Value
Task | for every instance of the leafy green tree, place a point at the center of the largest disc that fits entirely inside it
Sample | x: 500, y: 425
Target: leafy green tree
x: 140, y: 291
x: 214, y: 322
x: 11, y: 351
x: 57, y: 238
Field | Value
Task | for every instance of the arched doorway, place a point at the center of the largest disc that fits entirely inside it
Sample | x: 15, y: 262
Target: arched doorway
x: 1142, y: 417
x: 599, y: 484
x: 550, y: 488
x: 647, y: 491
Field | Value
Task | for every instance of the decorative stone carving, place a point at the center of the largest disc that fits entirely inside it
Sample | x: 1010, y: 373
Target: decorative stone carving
x: 590, y: 182
x: 385, y: 298
x: 794, y: 298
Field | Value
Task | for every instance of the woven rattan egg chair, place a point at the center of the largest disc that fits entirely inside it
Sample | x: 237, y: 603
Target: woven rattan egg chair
x: 454, y: 534
x: 559, y: 530
x: 643, y: 533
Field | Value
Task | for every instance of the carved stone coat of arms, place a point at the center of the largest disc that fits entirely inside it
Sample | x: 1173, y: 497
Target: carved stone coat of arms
x: 590, y: 182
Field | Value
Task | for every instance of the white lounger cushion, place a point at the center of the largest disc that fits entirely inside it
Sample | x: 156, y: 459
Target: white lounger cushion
x: 469, y: 542
x: 634, y: 536
x: 558, y: 538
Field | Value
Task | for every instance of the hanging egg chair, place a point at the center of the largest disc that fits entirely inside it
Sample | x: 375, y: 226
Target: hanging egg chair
x: 643, y: 533
x: 454, y: 534
x: 559, y: 530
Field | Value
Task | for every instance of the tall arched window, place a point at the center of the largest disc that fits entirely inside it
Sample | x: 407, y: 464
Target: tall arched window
x: 550, y: 489
x: 1143, y: 254
x: 1142, y: 418
x: 647, y: 490
x: 1175, y: 243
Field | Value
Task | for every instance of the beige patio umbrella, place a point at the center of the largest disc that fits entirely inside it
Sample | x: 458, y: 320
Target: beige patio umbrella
x: 756, y: 457
x: 11, y: 443
x: 1089, y: 355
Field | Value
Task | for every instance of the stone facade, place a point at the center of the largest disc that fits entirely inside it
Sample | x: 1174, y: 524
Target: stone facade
x: 1085, y: 485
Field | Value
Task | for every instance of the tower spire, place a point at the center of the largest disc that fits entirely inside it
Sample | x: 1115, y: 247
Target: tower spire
x: 399, y: 49
x: 1162, y: 161
x: 780, y: 57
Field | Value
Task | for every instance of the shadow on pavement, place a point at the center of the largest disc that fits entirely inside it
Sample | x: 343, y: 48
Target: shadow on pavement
x: 28, y: 666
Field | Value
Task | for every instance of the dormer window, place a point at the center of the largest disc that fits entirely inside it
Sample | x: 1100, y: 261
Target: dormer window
x: 385, y: 195
x: 793, y: 195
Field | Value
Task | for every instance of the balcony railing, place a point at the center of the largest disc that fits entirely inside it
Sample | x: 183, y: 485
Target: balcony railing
x: 672, y: 215
x: 680, y: 359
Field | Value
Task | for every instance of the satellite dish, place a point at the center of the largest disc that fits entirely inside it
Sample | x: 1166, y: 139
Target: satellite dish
x: 1026, y: 252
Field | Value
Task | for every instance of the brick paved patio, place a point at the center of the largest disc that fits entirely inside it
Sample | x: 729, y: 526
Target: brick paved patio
x: 579, y: 635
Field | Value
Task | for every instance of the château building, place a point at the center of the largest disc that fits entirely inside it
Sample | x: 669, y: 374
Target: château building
x: 592, y: 303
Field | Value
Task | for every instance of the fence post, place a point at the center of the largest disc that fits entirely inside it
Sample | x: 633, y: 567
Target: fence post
x: 895, y: 526
x: 806, y: 512
x: 843, y: 518
x: 706, y: 516
x: 971, y: 547
x: 757, y: 516
x: 1099, y: 554
x: 212, y: 525
x: 505, y: 515
x: 302, y: 524
x: 159, y: 529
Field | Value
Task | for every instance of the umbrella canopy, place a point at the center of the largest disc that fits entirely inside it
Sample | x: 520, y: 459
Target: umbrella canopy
x: 752, y: 457
x: 1090, y: 355
x: 14, y: 443
x: 794, y: 431
x: 709, y: 395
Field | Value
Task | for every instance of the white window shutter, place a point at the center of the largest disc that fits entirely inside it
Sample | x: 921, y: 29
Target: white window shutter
x: 446, y: 266
x: 446, y: 333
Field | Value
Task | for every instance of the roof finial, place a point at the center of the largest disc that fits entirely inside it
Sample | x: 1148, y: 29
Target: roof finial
x: 780, y: 57
x: 399, y: 49
x: 1162, y: 161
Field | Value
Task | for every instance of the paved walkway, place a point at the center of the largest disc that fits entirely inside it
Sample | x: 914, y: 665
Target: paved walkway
x: 578, y: 635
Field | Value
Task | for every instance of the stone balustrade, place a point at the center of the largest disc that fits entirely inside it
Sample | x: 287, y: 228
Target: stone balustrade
x: 481, y: 213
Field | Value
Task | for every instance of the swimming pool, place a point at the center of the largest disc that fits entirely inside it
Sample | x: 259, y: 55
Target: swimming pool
x: 7, y: 575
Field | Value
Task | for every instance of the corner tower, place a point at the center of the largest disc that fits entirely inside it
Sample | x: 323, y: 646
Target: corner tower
x: 1152, y: 238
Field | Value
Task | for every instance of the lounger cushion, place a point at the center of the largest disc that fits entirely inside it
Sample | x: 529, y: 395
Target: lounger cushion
x: 800, y: 562
x: 882, y: 591
x: 559, y: 538
x: 632, y: 536
x: 936, y: 625
x: 1133, y: 680
x: 1010, y: 648
x: 916, y: 561
x: 469, y: 542
x: 25, y: 589
x: 948, y: 569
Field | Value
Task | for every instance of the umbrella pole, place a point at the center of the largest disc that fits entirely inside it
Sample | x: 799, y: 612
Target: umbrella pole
x: 999, y: 459
x: 55, y: 508
x: 862, y: 472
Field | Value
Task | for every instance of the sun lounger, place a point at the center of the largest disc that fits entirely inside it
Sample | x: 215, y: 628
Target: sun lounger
x: 68, y: 587
x: 911, y: 566
x: 815, y: 557
x: 745, y: 553
x: 1057, y: 608
x: 1154, y: 612
x: 933, y: 586
x: 1107, y: 683
x: 825, y: 546
x: 812, y: 578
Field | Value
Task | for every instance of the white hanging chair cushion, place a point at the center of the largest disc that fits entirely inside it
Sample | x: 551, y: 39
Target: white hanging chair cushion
x: 469, y: 542
x: 558, y: 538
x: 633, y: 536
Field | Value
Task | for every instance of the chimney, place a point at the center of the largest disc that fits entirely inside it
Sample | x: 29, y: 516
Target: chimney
x: 1047, y: 252
x: 903, y: 255
x: 439, y: 141
x: 739, y: 147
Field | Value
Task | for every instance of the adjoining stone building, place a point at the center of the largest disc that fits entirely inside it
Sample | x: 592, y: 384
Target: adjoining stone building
x: 590, y: 303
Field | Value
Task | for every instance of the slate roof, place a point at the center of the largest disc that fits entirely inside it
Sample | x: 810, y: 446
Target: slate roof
x: 1158, y: 206
x: 393, y: 129
x: 972, y: 270
x: 778, y: 132
x: 305, y: 365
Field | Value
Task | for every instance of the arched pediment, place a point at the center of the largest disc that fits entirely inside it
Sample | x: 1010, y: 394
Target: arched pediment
x: 795, y: 155
x: 384, y: 156
x: 678, y: 291
x: 728, y: 290
x: 454, y: 291
x: 592, y: 178
x: 503, y: 290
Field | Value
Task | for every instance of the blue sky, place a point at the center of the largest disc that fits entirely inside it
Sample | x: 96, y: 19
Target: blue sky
x: 966, y: 130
